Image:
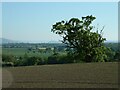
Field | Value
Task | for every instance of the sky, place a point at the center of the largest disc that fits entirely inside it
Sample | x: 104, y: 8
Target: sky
x: 32, y: 21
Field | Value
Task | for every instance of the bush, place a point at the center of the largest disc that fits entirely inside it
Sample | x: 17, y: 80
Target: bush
x: 8, y: 58
x: 28, y: 61
x: 53, y: 59
x: 59, y: 59
x: 40, y: 61
x: 110, y: 55
x: 7, y: 64
x: 65, y: 59
x: 117, y: 56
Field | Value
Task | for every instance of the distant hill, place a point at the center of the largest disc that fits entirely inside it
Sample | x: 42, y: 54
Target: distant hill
x: 4, y: 41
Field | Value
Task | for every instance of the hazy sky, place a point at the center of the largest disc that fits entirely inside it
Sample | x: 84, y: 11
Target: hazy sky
x: 32, y: 21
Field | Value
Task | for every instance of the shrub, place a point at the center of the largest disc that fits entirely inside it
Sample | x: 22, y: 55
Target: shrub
x: 8, y: 58
x: 7, y: 64
x: 53, y: 59
x: 30, y: 61
x: 63, y: 59
x: 40, y: 61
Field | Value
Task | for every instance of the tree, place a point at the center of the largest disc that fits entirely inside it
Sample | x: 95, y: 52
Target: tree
x: 83, y: 43
x: 117, y: 55
x: 8, y: 58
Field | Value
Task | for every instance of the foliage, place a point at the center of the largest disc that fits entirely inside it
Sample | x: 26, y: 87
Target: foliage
x: 59, y: 59
x: 82, y: 42
x: 58, y: 55
x: 63, y: 59
x: 117, y: 55
x: 53, y: 59
x: 8, y: 58
x: 110, y: 55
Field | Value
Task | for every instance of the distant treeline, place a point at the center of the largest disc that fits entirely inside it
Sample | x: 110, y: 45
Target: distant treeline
x: 113, y: 46
x: 10, y: 60
x: 33, y: 45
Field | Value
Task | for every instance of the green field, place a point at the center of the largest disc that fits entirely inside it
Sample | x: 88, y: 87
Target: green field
x: 14, y: 51
x: 22, y: 51
x: 81, y: 75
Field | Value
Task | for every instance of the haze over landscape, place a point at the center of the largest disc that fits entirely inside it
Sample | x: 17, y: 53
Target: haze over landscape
x: 32, y: 22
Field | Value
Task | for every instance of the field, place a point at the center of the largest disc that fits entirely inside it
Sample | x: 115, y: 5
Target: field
x: 22, y: 51
x: 81, y: 75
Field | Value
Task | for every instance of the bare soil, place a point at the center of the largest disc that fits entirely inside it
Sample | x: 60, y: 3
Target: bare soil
x: 81, y: 75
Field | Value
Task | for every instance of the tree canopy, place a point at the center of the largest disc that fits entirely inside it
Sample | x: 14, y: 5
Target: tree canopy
x: 84, y: 44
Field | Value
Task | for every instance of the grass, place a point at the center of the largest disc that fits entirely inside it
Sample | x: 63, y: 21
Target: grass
x: 81, y: 75
x: 14, y: 51
x: 22, y: 51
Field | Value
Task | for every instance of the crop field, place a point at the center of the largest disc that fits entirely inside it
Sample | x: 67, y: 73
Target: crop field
x: 80, y: 75
x: 14, y: 51
x: 22, y: 51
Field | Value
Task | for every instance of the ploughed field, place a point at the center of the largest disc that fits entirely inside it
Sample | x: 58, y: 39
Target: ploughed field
x: 81, y: 75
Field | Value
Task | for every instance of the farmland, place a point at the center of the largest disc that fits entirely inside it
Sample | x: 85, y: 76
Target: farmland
x: 31, y: 49
x: 82, y: 75
x: 22, y: 51
x: 54, y: 72
x: 19, y: 53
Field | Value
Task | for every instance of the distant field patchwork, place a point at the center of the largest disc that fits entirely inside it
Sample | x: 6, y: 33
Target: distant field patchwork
x: 83, y: 75
x: 22, y: 51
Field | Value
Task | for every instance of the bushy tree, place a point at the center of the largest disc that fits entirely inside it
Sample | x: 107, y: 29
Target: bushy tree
x: 8, y: 58
x: 83, y: 43
x: 53, y: 59
x: 117, y: 55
